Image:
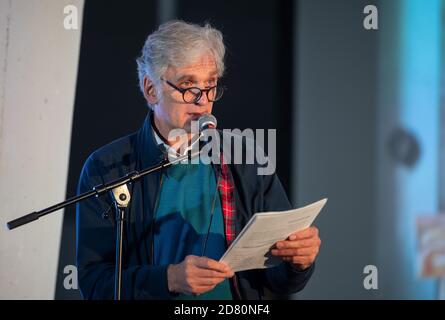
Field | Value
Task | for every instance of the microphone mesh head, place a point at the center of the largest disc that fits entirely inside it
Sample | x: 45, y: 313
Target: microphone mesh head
x: 207, y: 121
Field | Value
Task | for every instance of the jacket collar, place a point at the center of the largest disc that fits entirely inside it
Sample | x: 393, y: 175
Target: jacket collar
x: 150, y: 153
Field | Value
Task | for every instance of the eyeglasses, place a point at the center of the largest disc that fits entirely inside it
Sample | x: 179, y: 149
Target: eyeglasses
x: 194, y: 94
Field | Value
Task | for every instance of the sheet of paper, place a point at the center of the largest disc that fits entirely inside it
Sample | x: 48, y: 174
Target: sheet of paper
x: 251, y: 249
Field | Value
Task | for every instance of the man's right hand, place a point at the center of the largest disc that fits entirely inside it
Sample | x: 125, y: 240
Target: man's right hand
x: 196, y: 275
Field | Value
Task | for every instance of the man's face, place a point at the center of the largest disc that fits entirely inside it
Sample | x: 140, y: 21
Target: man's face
x: 172, y: 112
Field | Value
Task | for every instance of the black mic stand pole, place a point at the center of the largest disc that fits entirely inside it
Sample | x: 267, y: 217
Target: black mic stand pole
x: 122, y: 198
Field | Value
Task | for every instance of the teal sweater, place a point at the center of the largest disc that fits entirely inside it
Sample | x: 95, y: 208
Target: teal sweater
x: 183, y: 217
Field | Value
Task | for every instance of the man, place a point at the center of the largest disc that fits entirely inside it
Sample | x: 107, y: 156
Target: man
x: 180, y: 221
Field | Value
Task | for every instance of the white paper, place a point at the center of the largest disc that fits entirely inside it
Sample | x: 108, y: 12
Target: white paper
x: 251, y: 249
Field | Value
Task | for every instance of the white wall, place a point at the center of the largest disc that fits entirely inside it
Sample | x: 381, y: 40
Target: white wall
x: 38, y: 70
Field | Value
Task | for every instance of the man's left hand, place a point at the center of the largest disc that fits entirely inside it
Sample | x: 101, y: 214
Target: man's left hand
x: 300, y: 249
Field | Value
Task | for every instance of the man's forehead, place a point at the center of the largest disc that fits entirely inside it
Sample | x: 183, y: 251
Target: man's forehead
x: 205, y: 66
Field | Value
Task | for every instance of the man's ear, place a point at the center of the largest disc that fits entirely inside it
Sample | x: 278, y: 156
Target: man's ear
x: 150, y: 91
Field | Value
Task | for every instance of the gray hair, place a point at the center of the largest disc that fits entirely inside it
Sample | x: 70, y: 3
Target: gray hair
x: 177, y: 43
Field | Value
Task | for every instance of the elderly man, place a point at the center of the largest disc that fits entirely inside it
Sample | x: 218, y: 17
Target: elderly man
x: 172, y: 212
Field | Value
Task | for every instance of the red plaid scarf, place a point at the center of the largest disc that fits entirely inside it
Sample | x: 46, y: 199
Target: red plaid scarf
x: 226, y: 187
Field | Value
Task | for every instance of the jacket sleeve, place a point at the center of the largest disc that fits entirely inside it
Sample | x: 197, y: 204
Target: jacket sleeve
x: 96, y: 250
x: 282, y: 279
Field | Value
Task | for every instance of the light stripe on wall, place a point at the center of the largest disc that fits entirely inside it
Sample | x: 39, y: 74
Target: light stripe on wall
x: 38, y: 71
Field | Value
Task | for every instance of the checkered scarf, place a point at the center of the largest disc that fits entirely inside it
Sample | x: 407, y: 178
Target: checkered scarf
x: 226, y: 188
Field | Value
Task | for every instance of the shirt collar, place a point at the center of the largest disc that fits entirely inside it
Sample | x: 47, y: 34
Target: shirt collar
x: 171, y: 152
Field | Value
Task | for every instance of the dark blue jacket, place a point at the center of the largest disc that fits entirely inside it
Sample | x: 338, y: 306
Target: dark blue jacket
x: 142, y: 280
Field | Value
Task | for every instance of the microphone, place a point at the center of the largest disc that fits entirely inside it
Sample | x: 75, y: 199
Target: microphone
x: 207, y: 121
x: 200, y: 137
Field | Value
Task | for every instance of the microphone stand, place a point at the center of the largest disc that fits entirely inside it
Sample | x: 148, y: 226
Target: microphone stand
x: 121, y: 200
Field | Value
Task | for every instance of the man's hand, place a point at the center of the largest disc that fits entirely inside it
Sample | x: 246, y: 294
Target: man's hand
x: 196, y: 275
x: 300, y: 248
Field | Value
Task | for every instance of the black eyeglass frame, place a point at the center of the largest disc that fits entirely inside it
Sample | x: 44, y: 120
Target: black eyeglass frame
x: 184, y: 90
